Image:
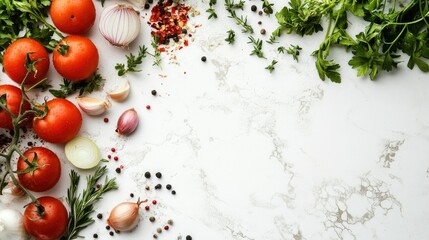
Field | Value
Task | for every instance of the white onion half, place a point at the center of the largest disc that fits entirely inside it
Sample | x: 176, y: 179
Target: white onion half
x: 83, y: 153
x: 120, y: 24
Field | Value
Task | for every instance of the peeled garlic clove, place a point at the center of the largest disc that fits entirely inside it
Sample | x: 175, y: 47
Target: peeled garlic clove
x: 121, y: 93
x: 120, y: 24
x: 127, y: 122
x: 93, y: 106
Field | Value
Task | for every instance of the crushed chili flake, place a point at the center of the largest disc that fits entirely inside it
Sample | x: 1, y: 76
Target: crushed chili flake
x: 169, y: 22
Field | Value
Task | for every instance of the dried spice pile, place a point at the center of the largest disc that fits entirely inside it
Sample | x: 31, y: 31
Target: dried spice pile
x: 169, y: 22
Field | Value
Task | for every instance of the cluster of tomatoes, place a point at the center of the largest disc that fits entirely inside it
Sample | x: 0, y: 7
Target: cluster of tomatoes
x: 39, y: 168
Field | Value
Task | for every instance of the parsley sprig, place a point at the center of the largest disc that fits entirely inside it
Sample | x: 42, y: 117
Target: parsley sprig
x: 67, y: 88
x: 82, y: 205
x: 132, y: 62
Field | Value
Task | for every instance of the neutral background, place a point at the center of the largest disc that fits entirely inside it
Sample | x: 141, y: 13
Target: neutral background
x: 261, y: 156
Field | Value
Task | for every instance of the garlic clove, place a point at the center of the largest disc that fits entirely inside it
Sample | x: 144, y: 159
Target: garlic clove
x: 121, y: 93
x: 137, y: 3
x: 93, y: 106
x: 127, y: 122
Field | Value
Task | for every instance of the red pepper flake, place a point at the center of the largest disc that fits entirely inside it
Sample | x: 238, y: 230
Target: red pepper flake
x: 147, y: 208
x: 148, y: 107
x: 106, y: 120
x: 154, y: 202
x: 109, y: 156
x: 116, y: 158
x: 168, y: 20
x: 113, y: 149
x: 166, y: 228
x: 98, y: 186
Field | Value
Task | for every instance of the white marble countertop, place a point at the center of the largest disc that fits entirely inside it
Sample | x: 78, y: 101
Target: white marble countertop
x: 260, y: 156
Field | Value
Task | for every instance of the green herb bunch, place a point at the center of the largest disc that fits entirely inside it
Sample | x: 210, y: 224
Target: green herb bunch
x: 390, y: 29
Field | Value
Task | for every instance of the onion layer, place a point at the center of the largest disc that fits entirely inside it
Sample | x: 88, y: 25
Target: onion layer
x: 83, y: 153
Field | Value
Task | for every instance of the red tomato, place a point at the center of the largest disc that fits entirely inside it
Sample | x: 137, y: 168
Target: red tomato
x: 73, y: 16
x: 61, y: 123
x: 45, y: 166
x: 51, y: 225
x: 80, y: 61
x: 14, y: 60
x: 13, y: 100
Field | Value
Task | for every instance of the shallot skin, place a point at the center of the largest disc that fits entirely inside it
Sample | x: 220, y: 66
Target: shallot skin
x: 125, y: 216
x: 127, y: 122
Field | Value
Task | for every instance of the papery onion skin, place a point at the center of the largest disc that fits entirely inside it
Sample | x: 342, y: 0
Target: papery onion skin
x: 127, y: 122
x: 120, y: 24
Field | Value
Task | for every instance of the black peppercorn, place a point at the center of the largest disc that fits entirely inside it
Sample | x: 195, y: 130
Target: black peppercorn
x: 253, y: 8
x: 158, y: 186
x: 188, y: 237
x: 184, y: 31
x: 111, y: 233
x: 158, y: 175
x: 203, y: 58
x: 168, y: 186
x: 263, y: 31
x: 95, y: 235
x: 155, y: 236
x: 259, y: 22
x: 260, y: 12
x: 118, y: 170
x: 147, y: 174
x: 108, y: 227
x: 152, y: 219
x: 99, y: 216
x: 147, y: 188
x: 132, y: 195
x: 173, y: 192
x: 146, y: 6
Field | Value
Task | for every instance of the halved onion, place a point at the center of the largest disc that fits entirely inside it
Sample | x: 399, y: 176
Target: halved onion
x: 83, y: 153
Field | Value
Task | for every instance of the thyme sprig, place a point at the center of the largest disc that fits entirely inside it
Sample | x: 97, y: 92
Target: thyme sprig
x: 239, y: 20
x: 132, y: 62
x: 157, y: 52
x: 257, y: 47
x: 231, y: 37
x: 271, y: 66
x: 211, y: 10
x: 82, y: 205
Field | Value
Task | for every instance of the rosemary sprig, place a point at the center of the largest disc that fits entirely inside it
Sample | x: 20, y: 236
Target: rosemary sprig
x: 132, y: 62
x: 231, y: 37
x: 67, y: 88
x: 271, y: 66
x: 241, y: 21
x: 257, y: 47
x: 211, y: 10
x: 82, y: 205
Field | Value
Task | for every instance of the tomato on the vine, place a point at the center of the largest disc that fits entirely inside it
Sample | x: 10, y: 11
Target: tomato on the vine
x: 41, y: 171
x: 47, y: 223
x: 14, y: 60
x: 61, y: 123
x: 73, y: 17
x: 76, y: 58
x: 13, y: 100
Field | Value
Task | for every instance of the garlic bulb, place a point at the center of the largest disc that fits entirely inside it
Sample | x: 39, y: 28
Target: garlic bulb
x: 120, y: 24
x: 125, y: 216
x: 121, y: 93
x: 93, y: 106
x: 127, y: 122
x: 138, y: 3
x: 11, y: 226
